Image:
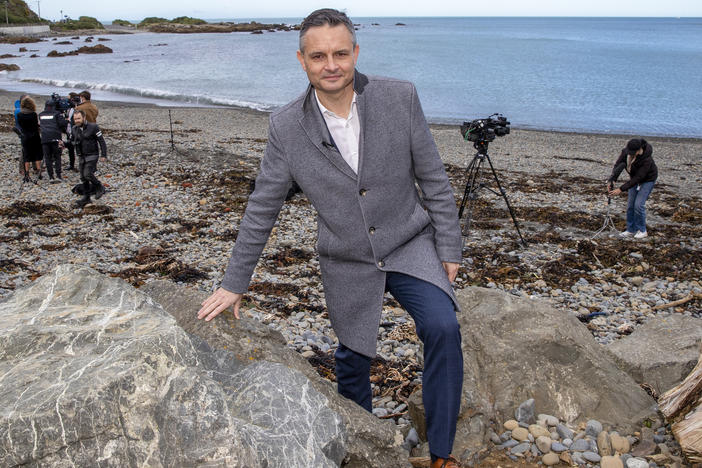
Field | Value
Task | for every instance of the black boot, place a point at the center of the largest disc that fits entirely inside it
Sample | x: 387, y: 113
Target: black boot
x: 82, y: 202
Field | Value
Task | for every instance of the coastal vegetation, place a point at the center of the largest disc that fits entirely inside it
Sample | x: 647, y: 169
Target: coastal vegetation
x: 18, y: 12
x: 121, y: 22
x: 83, y: 22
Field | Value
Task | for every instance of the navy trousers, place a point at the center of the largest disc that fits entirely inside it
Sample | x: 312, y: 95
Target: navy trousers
x: 442, y: 380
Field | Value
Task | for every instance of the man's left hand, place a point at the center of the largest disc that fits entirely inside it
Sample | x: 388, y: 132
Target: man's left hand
x: 615, y: 192
x: 103, y: 159
x: 451, y: 270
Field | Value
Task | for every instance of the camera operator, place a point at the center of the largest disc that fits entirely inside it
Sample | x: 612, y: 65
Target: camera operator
x: 91, y: 112
x: 53, y: 124
x: 637, y: 159
x: 90, y: 146
x: 74, y: 99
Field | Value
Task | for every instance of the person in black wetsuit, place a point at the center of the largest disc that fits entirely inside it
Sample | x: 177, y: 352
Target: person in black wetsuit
x: 53, y: 125
x: 90, y: 146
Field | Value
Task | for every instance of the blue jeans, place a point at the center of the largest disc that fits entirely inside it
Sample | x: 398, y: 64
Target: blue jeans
x: 442, y: 380
x: 636, y: 208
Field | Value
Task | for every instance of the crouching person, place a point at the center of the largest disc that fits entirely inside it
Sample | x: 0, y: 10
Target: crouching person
x: 90, y: 146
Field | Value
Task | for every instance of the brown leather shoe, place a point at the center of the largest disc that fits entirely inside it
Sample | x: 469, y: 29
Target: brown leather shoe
x: 449, y: 462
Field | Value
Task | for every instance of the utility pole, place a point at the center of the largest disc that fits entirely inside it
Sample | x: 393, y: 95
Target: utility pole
x: 6, y: 18
x: 39, y: 8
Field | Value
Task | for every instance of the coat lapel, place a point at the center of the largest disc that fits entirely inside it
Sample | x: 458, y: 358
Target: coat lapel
x: 359, y: 83
x: 316, y: 129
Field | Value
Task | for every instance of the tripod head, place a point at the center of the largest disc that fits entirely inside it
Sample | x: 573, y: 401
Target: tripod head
x: 481, y: 146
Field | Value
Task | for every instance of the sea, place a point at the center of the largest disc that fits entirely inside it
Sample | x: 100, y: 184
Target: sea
x: 636, y: 76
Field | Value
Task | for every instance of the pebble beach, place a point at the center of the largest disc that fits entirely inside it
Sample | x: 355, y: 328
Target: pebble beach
x: 173, y: 207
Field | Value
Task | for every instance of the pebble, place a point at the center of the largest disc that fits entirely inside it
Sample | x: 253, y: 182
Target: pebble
x: 564, y: 431
x: 520, y: 434
x: 521, y: 448
x: 580, y: 445
x: 636, y: 463
x: 593, y: 428
x: 550, y: 459
x: 609, y: 461
x: 591, y: 457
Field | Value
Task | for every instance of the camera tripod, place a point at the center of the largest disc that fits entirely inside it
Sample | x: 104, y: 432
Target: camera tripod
x: 173, y: 146
x: 473, y: 186
x: 608, y: 222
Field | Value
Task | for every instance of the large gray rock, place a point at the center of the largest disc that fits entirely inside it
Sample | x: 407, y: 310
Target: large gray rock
x: 370, y: 442
x: 94, y: 372
x: 661, y: 352
x: 515, y: 349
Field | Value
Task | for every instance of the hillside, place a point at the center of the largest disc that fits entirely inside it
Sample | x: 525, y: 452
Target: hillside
x: 18, y: 12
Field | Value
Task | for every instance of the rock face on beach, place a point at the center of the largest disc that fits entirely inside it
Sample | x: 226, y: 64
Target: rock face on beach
x: 93, y: 369
x: 515, y: 349
x: 180, y: 28
x: 370, y: 442
x: 662, y: 352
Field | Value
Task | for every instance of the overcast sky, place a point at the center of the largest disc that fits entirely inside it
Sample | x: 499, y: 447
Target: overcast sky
x: 108, y: 10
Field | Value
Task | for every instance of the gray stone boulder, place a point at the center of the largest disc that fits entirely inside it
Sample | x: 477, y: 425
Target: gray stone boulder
x: 370, y: 442
x: 661, y: 352
x: 515, y: 349
x: 94, y: 372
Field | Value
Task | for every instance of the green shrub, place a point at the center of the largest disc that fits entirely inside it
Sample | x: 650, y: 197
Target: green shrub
x: 152, y: 20
x: 83, y: 22
x: 18, y: 13
x: 121, y: 22
x: 188, y: 20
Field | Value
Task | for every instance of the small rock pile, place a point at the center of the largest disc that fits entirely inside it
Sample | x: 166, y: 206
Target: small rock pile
x: 548, y: 440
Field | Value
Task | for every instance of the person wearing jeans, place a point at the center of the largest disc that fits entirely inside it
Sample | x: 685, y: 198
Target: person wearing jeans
x: 637, y: 159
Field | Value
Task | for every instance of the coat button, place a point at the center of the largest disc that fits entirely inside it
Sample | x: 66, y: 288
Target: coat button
x: 362, y: 192
x: 381, y: 264
x: 371, y: 230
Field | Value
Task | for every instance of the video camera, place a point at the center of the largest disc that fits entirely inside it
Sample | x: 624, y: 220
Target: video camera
x: 485, y: 130
x: 63, y: 104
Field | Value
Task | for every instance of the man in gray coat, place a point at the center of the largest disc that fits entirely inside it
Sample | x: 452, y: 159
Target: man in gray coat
x: 357, y: 145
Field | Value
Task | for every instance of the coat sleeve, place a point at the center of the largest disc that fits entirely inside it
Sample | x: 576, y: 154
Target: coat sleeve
x: 618, y: 167
x: 272, y: 185
x: 101, y: 142
x: 437, y: 194
x: 638, y: 175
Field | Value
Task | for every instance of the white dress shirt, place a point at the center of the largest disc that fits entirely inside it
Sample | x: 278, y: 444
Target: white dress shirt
x: 345, y: 131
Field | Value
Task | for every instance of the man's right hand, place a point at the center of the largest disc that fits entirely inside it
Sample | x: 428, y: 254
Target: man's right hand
x: 218, y: 302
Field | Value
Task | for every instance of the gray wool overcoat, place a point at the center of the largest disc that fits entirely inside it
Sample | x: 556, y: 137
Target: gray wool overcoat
x: 368, y: 224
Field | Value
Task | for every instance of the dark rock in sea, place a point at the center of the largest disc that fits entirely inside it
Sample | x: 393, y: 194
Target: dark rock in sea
x: 75, y: 37
x: 400, y: 24
x: 256, y: 32
x: 23, y: 49
x: 56, y: 53
x: 33, y: 56
x: 64, y: 43
x: 103, y: 39
x: 88, y: 39
x: 98, y: 49
x: 9, y: 67
x: 6, y: 56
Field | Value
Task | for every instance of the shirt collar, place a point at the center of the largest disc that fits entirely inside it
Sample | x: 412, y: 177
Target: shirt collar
x: 328, y: 112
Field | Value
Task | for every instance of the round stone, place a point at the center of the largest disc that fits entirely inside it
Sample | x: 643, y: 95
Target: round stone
x: 636, y: 463
x: 543, y: 444
x: 611, y: 462
x: 511, y: 425
x: 593, y: 428
x: 619, y: 444
x: 550, y: 459
x: 539, y: 431
x: 520, y: 434
x: 558, y: 447
x: 592, y: 457
x: 580, y: 445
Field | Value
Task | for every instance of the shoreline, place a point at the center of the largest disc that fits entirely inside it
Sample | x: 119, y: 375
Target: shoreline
x: 165, y: 103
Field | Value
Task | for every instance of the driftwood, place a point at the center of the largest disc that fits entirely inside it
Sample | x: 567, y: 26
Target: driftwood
x: 686, y: 399
x: 682, y: 301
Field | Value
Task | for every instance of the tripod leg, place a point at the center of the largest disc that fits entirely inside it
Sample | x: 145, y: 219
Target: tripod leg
x: 470, y: 194
x: 504, y: 195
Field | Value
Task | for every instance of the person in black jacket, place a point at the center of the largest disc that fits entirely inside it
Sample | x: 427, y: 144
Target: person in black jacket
x: 28, y: 123
x: 637, y: 160
x: 90, y: 146
x: 53, y: 125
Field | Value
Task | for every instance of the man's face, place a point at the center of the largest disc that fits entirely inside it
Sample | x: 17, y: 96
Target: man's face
x: 329, y: 58
x: 78, y: 119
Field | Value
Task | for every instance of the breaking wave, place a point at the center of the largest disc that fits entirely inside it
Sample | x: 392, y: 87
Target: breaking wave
x: 192, y: 99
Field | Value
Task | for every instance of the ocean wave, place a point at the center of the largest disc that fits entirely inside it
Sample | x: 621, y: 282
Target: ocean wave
x: 194, y: 99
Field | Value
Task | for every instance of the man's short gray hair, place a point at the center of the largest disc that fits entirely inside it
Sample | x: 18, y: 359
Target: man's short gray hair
x: 326, y: 16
